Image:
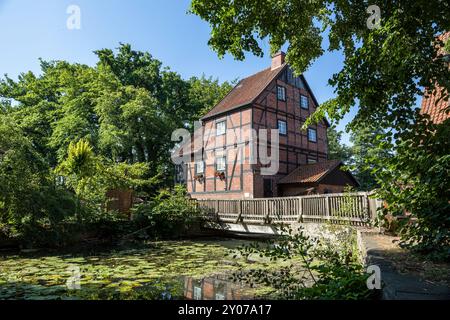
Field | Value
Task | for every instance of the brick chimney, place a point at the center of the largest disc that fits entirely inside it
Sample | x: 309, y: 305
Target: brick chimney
x: 278, y: 60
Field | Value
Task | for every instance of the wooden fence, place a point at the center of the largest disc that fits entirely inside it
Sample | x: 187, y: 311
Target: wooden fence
x: 353, y: 208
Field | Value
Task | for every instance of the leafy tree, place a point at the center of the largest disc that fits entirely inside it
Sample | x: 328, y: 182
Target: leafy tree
x: 126, y: 107
x: 385, y: 68
x: 336, y: 149
x: 92, y: 129
x: 29, y: 197
x: 365, y: 148
x: 205, y: 93
x: 416, y: 182
x: 91, y: 176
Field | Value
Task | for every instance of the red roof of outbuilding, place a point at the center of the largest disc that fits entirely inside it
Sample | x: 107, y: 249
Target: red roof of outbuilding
x: 311, y: 173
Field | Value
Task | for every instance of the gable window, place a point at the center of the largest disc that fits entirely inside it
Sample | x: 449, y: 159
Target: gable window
x: 221, y: 164
x: 281, y: 93
x: 282, y: 127
x: 200, y: 167
x: 312, y: 135
x: 304, y: 102
x: 221, y: 128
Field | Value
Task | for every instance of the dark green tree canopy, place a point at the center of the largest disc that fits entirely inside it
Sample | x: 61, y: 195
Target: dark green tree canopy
x: 387, y: 65
x: 384, y: 68
x: 126, y: 107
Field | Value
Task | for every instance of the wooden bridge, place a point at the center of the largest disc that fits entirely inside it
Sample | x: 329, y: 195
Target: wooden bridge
x: 356, y: 209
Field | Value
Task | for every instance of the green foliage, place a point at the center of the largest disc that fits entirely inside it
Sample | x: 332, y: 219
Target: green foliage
x: 80, y: 160
x: 126, y: 107
x: 317, y: 270
x: 207, y: 92
x: 92, y: 129
x: 29, y: 198
x: 336, y: 149
x: 416, y: 182
x: 170, y: 213
x: 384, y: 71
x: 365, y: 146
x: 91, y: 176
x: 447, y: 47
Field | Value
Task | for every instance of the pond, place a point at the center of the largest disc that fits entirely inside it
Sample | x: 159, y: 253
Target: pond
x: 159, y: 270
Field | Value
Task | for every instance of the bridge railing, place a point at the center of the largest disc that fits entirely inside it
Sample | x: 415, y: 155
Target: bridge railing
x: 353, y: 208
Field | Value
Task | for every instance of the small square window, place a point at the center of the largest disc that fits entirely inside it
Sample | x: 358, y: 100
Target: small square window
x: 221, y: 164
x: 312, y: 135
x: 221, y: 128
x: 200, y: 167
x: 282, y: 127
x: 304, y: 102
x: 281, y: 93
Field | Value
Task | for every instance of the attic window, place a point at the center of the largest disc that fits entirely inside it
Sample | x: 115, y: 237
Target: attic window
x: 281, y: 93
x: 312, y: 135
x: 304, y: 102
x: 221, y: 128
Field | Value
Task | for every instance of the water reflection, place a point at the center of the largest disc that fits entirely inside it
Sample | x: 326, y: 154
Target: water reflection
x: 218, y: 287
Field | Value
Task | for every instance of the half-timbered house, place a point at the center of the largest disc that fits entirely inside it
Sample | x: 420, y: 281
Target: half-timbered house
x: 224, y: 165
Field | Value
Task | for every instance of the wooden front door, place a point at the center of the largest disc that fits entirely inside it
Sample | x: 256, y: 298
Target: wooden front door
x: 268, y: 190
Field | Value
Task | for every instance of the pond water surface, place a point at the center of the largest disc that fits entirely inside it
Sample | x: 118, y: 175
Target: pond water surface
x: 160, y: 270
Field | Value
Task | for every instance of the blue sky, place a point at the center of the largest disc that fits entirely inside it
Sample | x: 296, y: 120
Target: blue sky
x: 31, y: 29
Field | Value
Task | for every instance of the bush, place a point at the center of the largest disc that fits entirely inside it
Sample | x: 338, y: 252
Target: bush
x: 317, y: 269
x: 418, y: 191
x: 168, y: 214
x: 30, y: 200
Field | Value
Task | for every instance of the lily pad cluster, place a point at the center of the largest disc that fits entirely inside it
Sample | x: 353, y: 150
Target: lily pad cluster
x: 154, y: 272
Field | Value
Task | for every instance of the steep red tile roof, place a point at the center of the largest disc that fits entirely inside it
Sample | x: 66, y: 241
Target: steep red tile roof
x: 311, y: 173
x: 433, y: 104
x: 245, y: 92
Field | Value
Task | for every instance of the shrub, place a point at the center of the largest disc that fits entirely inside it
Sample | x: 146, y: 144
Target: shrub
x: 169, y: 213
x: 30, y: 200
x: 316, y: 271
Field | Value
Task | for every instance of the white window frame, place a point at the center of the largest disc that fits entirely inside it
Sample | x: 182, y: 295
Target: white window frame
x: 281, y: 93
x: 202, y: 164
x: 302, y: 99
x: 285, y: 127
x: 221, y: 128
x: 310, y: 130
x: 222, y: 161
